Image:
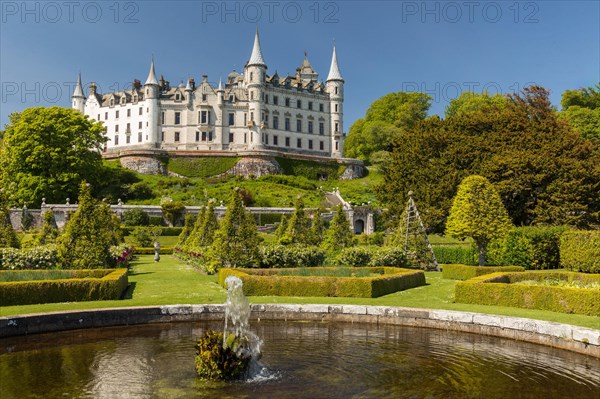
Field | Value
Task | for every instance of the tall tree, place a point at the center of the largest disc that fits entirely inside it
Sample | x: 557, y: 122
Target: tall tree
x: 8, y: 237
x: 48, y: 152
x: 385, y: 119
x: 477, y: 212
x: 298, y: 226
x: 339, y: 235
x: 468, y: 102
x: 581, y: 109
x: 236, y: 241
x: 188, y: 227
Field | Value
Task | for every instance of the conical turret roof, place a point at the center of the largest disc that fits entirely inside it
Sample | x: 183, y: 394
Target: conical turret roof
x: 151, y: 75
x: 334, y: 70
x: 78, y: 88
x: 256, y: 58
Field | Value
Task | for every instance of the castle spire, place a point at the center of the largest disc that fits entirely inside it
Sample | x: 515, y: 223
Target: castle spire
x: 152, y: 75
x: 78, y: 88
x: 220, y: 88
x: 334, y: 70
x: 256, y: 58
x: 188, y: 86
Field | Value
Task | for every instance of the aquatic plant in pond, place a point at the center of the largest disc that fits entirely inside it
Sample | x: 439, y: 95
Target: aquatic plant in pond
x: 231, y: 354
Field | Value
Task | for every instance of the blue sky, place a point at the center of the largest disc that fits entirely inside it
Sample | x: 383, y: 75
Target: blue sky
x: 440, y: 47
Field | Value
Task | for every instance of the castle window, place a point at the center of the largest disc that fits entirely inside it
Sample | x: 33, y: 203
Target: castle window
x: 203, y: 97
x: 275, y: 122
x: 321, y: 128
x: 299, y: 143
x: 203, y: 136
x: 231, y: 98
x: 177, y: 97
x: 177, y: 118
x: 321, y: 145
x: 128, y: 130
x: 287, y: 141
x: 162, y: 118
x: 128, y: 139
x: 310, y: 105
x: 251, y: 95
x: 275, y: 140
x: 162, y: 136
x: 123, y: 100
x: 106, y: 116
x: 251, y: 76
x: 112, y: 102
x: 310, y: 127
x: 116, y: 114
x: 336, y: 108
x: 310, y: 144
x: 321, y: 107
x: 266, y: 139
x: 116, y: 140
x: 139, y: 137
x: 337, y: 145
x: 287, y: 102
x: 251, y: 116
x: 337, y: 127
x: 176, y: 138
x: 231, y: 137
x: 287, y: 124
x: 135, y: 98
x: 298, y: 125
x: 197, y: 136
x: 98, y: 117
x: 140, y: 110
x: 139, y: 125
x: 231, y: 119
x: 204, y: 117
x: 245, y: 119
x: 210, y: 136
x: 117, y: 128
x: 298, y: 103
x: 275, y: 100
x: 245, y: 138
x: 266, y: 98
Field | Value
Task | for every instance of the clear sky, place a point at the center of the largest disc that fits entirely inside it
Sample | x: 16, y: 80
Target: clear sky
x: 439, y: 47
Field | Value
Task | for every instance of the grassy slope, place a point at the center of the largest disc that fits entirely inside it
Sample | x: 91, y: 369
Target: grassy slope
x: 172, y: 282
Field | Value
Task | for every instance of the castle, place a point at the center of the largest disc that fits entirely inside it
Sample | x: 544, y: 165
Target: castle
x: 252, y: 111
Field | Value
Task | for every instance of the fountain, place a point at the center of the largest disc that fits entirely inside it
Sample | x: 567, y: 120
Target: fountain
x: 234, y: 353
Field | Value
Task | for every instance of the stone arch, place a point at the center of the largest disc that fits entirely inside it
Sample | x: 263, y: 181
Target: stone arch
x: 359, y: 226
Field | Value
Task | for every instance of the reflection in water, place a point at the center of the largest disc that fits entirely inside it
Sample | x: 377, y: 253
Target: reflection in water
x: 305, y: 360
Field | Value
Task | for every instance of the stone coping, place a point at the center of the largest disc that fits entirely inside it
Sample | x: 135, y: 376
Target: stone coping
x: 573, y: 338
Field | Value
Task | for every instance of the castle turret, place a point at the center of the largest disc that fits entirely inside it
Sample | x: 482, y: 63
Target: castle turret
x: 189, y: 96
x: 254, y: 77
x: 151, y: 96
x: 78, y: 96
x: 335, y: 88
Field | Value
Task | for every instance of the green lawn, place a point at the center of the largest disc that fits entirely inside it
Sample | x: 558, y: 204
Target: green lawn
x: 172, y: 282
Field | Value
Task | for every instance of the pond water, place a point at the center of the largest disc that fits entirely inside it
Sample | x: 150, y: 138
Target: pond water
x: 300, y: 359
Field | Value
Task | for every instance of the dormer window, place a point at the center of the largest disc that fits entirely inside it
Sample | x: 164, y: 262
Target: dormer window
x: 177, y: 97
x: 123, y: 100
x: 112, y: 102
x: 232, y: 98
x: 135, y: 98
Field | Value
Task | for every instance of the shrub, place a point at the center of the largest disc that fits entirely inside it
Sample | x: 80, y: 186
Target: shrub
x: 40, y: 257
x: 355, y: 256
x: 310, y: 169
x: 580, y: 251
x: 121, y: 255
x: 300, y: 182
x: 110, y: 284
x: 164, y: 250
x: 389, y: 256
x: 135, y: 217
x: 503, y: 289
x: 267, y: 282
x: 339, y: 234
x: 536, y: 248
x: 456, y: 254
x: 156, y: 221
x: 201, y: 167
x: 464, y: 272
x: 144, y: 236
x: 277, y: 256
x: 8, y: 237
x: 172, y: 211
x: 140, y: 190
x: 49, y: 232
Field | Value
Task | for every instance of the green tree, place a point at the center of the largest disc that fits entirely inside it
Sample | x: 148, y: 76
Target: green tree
x: 88, y: 234
x: 339, y: 235
x: 194, y: 241
x: 209, y: 225
x: 581, y: 109
x: 468, y: 102
x: 172, y: 211
x: 282, y: 227
x: 317, y: 229
x: 49, y: 231
x: 47, y: 152
x: 298, y: 226
x: 236, y: 241
x: 8, y: 237
x: 385, y: 119
x: 477, y: 212
x: 188, y: 227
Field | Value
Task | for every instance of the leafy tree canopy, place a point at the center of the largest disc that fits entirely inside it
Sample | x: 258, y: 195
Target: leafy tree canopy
x: 383, y: 122
x: 469, y: 102
x: 47, y: 152
x: 581, y: 109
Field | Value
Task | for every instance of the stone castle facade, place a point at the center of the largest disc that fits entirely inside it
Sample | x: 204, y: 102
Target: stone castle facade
x: 251, y: 111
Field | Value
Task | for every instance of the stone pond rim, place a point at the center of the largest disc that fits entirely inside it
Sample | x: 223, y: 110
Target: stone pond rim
x: 252, y: 163
x: 563, y: 336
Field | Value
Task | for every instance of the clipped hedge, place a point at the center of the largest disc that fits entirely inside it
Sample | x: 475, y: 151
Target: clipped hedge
x: 465, y: 272
x: 268, y: 282
x: 282, y: 256
x: 164, y: 231
x: 88, y: 285
x: 534, y: 248
x: 150, y: 250
x: 310, y: 169
x: 580, y: 251
x: 503, y: 289
x: 372, y: 256
x: 456, y: 254
x: 201, y: 167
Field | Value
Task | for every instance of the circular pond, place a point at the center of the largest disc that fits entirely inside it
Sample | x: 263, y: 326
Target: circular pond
x: 301, y: 360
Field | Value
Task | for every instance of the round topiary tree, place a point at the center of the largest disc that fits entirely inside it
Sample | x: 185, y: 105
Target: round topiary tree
x: 477, y: 212
x: 339, y: 235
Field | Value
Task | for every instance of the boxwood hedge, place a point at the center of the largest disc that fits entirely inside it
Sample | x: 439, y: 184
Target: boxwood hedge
x: 267, y: 282
x: 580, y: 251
x: 503, y: 289
x: 88, y: 285
x: 465, y: 272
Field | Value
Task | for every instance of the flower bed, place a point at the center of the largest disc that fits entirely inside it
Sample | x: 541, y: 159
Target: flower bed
x: 267, y: 282
x: 84, y: 285
x: 503, y: 289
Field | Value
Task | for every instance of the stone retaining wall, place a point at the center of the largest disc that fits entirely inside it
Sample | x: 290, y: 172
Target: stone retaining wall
x: 577, y: 339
